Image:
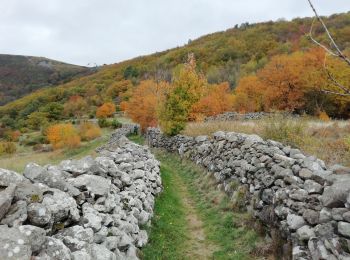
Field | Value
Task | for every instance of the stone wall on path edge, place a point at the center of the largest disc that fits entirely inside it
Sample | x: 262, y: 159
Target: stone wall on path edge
x: 91, y: 208
x: 307, y: 202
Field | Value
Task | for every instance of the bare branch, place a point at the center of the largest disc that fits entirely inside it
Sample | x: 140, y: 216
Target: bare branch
x: 335, y: 93
x: 318, y: 43
x: 339, y: 52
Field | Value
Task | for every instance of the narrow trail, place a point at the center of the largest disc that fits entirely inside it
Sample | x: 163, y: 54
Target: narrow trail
x: 197, y: 245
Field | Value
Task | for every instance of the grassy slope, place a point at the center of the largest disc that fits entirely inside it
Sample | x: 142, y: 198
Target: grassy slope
x: 18, y: 161
x: 224, y: 227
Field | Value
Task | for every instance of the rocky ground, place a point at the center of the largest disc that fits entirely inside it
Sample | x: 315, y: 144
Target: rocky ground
x: 93, y: 208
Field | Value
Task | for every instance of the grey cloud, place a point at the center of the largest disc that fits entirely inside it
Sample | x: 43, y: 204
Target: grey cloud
x: 107, y: 31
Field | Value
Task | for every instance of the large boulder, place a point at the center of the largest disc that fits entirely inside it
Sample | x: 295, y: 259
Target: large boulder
x: 76, y: 237
x: 54, y: 249
x: 335, y: 196
x: 39, y: 214
x: 6, y: 197
x: 62, y: 206
x: 16, y: 214
x: 8, y: 177
x: 38, y: 174
x: 78, y: 167
x: 20, y: 242
x: 96, y: 185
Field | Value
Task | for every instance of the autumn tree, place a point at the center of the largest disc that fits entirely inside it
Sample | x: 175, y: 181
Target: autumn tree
x: 89, y: 131
x: 144, y: 104
x: 249, y: 95
x: 106, y: 110
x: 186, y: 90
x: 63, y: 136
x: 216, y: 99
x: 76, y: 106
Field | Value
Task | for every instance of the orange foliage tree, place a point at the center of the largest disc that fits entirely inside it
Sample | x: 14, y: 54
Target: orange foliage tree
x: 143, y: 105
x: 63, y: 135
x: 106, y: 110
x: 216, y: 99
x: 249, y: 95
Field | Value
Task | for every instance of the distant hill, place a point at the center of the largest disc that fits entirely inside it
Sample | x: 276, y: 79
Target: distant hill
x: 222, y: 56
x: 21, y: 75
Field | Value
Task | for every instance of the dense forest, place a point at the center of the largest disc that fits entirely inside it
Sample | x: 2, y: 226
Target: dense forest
x: 257, y: 67
x: 21, y: 75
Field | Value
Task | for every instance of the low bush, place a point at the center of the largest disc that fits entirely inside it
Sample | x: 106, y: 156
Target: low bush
x: 287, y: 131
x: 104, y: 123
x: 31, y: 140
x: 89, y: 131
x: 7, y: 148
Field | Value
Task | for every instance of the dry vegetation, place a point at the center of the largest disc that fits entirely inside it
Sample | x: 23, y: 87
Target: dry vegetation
x: 329, y: 141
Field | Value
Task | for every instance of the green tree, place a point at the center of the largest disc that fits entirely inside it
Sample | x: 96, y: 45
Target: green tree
x: 54, y: 111
x: 185, y: 91
x: 36, y: 120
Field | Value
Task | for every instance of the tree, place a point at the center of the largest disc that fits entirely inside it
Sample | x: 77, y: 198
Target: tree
x: 216, y: 99
x: 186, y: 90
x: 54, y: 111
x: 37, y: 120
x: 249, y: 95
x: 284, y: 87
x: 63, y: 136
x: 144, y: 104
x: 106, y: 110
x: 76, y: 106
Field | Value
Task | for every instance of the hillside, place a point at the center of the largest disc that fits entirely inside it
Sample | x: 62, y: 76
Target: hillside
x: 223, y: 57
x: 21, y: 75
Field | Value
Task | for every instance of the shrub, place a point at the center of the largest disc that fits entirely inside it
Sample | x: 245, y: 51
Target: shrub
x: 116, y: 124
x: 63, y: 135
x: 89, y: 131
x: 287, y: 131
x: 106, y: 110
x: 33, y: 140
x: 103, y: 122
x: 12, y: 136
x: 7, y: 148
x: 323, y: 116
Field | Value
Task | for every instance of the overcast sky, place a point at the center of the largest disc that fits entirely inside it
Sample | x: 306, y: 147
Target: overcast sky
x: 108, y: 31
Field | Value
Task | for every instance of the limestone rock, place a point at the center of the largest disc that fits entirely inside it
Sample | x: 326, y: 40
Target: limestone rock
x: 6, y: 197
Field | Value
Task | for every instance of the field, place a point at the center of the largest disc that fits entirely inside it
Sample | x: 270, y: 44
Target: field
x: 329, y: 140
x: 25, y: 154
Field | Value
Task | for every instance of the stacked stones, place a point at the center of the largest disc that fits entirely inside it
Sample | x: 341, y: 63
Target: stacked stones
x: 296, y: 194
x: 91, y: 208
x: 231, y: 116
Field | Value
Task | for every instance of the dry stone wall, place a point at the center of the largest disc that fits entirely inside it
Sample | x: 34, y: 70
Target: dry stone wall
x: 91, y: 208
x: 307, y: 202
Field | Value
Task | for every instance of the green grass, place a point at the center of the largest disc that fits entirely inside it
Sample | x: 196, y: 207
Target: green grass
x: 222, y: 225
x: 168, y: 230
x: 139, y: 139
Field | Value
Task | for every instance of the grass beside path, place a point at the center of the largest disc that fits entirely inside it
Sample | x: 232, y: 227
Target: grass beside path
x: 191, y: 204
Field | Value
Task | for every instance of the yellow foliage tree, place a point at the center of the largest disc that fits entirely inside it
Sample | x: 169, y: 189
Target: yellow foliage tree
x: 62, y: 136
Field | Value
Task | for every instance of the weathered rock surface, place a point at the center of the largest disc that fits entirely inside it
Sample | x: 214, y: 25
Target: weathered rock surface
x: 81, y: 209
x: 308, y: 202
